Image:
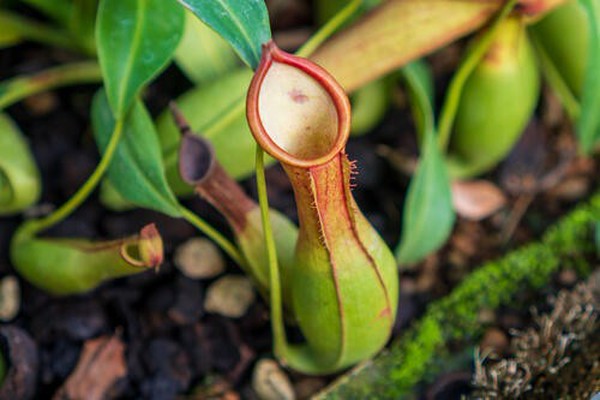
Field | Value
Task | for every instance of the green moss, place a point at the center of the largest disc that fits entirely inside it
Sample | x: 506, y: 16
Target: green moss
x: 394, y: 373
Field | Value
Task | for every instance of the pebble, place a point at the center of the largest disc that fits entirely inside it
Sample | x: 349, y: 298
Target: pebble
x: 10, y: 298
x: 230, y: 296
x: 270, y: 382
x: 21, y: 354
x: 199, y: 258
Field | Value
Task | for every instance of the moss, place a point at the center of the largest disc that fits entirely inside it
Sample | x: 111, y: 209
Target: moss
x: 394, y: 373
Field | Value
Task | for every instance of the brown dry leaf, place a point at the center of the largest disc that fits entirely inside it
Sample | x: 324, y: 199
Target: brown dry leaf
x: 100, y: 365
x: 476, y: 200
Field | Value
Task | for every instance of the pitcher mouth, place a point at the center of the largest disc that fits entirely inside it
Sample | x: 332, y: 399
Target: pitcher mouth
x: 297, y: 112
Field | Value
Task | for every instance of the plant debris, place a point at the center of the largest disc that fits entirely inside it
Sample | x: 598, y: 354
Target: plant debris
x: 101, y: 364
x: 546, y: 355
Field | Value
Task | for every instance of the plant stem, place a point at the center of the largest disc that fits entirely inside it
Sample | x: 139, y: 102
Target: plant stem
x: 329, y: 28
x: 84, y: 191
x: 277, y: 325
x: 214, y: 235
x: 476, y: 53
x: 20, y: 87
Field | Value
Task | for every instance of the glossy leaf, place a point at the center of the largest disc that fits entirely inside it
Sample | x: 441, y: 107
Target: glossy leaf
x: 202, y: 54
x: 20, y: 184
x: 243, y: 23
x: 588, y: 125
x: 136, y: 171
x: 135, y: 40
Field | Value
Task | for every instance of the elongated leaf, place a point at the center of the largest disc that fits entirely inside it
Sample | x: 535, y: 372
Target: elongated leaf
x: 136, y: 171
x: 428, y: 212
x: 135, y: 40
x: 202, y: 54
x: 243, y: 23
x: 588, y: 125
x: 420, y: 82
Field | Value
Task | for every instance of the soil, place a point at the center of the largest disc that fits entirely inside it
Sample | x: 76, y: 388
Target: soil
x: 172, y: 346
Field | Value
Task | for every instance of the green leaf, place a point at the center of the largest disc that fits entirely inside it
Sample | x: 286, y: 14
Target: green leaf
x: 10, y: 34
x: 243, y: 23
x: 419, y: 81
x: 428, y: 212
x: 59, y: 10
x: 202, y: 54
x: 136, y: 171
x: 135, y: 40
x: 82, y: 23
x: 588, y: 125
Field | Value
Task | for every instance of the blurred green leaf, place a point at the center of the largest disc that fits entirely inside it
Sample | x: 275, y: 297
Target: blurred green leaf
x: 136, y: 171
x: 135, y: 40
x: 327, y: 9
x: 369, y: 104
x: 59, y: 10
x: 428, y: 214
x: 419, y: 80
x: 82, y: 23
x: 243, y: 23
x: 20, y: 184
x: 202, y: 54
x: 588, y: 125
x: 10, y: 34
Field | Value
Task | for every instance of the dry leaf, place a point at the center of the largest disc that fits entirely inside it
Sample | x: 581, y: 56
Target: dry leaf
x: 100, y: 365
x: 476, y: 200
